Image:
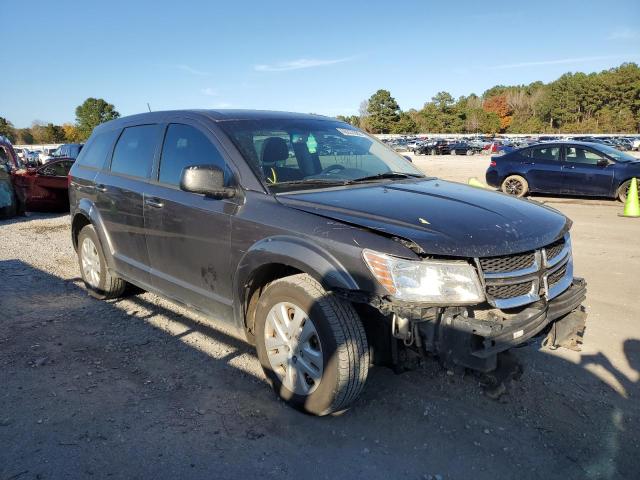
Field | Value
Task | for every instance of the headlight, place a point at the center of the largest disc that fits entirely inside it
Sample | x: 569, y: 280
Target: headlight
x: 430, y: 281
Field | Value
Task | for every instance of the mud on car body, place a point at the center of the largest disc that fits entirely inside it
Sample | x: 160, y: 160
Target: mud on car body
x: 329, y: 260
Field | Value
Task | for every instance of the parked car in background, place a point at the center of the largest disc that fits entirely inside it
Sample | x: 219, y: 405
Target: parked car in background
x: 325, y: 263
x: 564, y: 168
x: 433, y: 147
x: 9, y: 162
x: 44, y: 188
x: 32, y: 158
x: 21, y: 152
x: 461, y: 148
x: 68, y: 150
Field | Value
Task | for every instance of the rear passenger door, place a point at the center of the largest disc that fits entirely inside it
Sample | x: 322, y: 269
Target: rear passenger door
x: 544, y: 168
x: 586, y: 172
x: 188, y: 234
x: 119, y: 198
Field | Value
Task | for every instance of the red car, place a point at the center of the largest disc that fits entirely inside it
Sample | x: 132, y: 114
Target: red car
x: 44, y: 188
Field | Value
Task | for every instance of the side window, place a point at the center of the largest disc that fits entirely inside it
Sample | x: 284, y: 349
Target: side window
x: 546, y: 153
x: 581, y: 155
x: 185, y: 146
x: 135, y: 149
x: 526, y: 153
x: 98, y: 148
x: 57, y: 169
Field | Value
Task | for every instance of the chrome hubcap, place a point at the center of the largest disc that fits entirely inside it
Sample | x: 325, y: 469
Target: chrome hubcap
x: 293, y: 348
x: 90, y: 262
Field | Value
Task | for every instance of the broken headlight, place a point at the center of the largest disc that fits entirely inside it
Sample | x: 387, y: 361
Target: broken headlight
x: 442, y: 282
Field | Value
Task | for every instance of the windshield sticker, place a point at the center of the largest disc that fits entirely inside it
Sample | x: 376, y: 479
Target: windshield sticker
x: 351, y: 133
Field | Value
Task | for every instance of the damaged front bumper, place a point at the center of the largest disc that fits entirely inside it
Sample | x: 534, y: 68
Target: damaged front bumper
x: 473, y: 336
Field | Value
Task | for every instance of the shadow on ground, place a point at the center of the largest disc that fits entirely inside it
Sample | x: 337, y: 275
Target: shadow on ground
x: 138, y: 388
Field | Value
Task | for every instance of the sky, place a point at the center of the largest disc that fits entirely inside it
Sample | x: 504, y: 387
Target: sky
x: 320, y: 57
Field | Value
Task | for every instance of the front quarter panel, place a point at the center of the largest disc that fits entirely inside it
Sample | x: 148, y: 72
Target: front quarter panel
x: 267, y: 232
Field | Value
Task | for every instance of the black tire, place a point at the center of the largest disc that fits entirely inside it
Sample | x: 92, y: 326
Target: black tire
x: 108, y: 285
x: 623, y: 189
x: 343, y: 342
x: 515, y: 185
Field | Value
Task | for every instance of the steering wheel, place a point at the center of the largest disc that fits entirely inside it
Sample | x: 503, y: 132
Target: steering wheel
x: 335, y: 168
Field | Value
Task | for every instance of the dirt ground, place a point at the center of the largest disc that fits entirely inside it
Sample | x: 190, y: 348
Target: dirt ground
x: 140, y: 388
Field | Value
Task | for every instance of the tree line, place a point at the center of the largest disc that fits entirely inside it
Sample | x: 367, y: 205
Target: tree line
x: 603, y: 102
x: 91, y: 113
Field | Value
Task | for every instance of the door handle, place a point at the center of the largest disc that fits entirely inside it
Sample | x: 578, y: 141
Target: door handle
x: 153, y: 202
x: 101, y: 188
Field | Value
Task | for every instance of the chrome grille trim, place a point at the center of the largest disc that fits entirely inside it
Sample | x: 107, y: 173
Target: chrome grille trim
x: 538, y: 274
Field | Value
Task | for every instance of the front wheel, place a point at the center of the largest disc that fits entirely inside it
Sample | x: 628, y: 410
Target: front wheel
x: 623, y: 191
x: 311, y: 345
x: 515, y: 185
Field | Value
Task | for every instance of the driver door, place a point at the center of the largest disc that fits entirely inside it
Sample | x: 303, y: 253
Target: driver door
x: 586, y: 172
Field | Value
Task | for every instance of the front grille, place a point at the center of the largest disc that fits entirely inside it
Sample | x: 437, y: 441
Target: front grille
x: 554, y: 249
x: 509, y: 291
x: 520, y: 279
x: 556, y: 276
x: 507, y: 263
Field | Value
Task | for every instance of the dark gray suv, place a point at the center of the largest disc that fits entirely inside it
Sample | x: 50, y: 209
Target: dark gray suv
x: 327, y: 249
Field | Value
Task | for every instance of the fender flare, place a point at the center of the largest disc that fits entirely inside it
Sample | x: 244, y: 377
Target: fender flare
x: 87, y: 209
x: 293, y: 252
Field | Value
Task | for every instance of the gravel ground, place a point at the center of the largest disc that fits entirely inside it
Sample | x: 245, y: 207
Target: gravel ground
x: 140, y: 388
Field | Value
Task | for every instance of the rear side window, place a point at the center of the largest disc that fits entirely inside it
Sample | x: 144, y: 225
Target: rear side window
x: 545, y: 153
x: 134, y: 151
x: 185, y: 146
x: 98, y: 149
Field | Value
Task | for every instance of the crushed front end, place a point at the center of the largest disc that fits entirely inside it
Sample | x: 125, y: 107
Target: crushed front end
x: 526, y: 294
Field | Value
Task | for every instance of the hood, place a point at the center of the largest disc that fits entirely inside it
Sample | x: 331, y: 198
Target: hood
x: 443, y: 218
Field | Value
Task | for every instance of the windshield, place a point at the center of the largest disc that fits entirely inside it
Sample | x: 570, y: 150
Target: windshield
x: 617, y: 155
x: 308, y: 153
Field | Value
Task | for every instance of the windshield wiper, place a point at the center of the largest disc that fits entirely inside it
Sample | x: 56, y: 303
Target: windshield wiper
x: 309, y: 181
x: 385, y: 175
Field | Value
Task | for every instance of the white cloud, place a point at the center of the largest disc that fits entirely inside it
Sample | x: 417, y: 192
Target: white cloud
x: 210, y: 92
x: 624, y: 33
x: 562, y: 61
x: 299, y: 64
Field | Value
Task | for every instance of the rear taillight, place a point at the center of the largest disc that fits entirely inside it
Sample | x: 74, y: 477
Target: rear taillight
x: 492, y: 163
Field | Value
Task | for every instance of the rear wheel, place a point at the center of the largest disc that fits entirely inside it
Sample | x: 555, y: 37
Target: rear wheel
x: 311, y: 344
x: 515, y: 185
x: 93, y: 267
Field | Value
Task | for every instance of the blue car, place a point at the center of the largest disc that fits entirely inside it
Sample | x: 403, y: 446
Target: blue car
x: 564, y: 168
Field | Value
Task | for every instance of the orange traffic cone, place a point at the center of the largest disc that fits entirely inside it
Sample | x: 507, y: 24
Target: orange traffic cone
x: 632, y: 205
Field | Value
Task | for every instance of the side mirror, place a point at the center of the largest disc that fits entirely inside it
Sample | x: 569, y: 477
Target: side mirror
x: 603, y: 162
x: 207, y: 180
x: 408, y: 158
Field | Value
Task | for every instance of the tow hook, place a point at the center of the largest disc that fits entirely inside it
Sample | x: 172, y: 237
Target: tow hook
x: 401, y: 329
